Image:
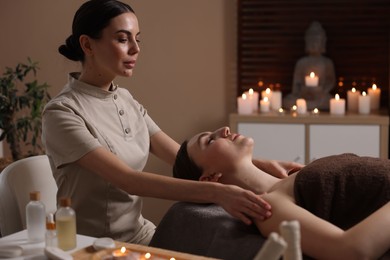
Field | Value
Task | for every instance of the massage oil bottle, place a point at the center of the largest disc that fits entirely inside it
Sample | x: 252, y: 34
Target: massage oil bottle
x: 35, y: 218
x: 66, y: 225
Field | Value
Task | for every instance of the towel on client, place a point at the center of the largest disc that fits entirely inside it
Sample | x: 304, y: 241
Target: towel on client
x: 341, y: 188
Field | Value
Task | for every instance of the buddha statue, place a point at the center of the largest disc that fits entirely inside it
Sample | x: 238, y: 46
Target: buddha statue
x: 315, y: 93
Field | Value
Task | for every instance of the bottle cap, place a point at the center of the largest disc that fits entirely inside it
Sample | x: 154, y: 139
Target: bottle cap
x: 65, y: 202
x: 35, y: 195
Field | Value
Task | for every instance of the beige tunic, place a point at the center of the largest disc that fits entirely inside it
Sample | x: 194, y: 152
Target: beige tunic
x: 80, y: 119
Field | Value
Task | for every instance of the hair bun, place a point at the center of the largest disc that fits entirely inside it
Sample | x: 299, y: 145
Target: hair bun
x: 70, y: 50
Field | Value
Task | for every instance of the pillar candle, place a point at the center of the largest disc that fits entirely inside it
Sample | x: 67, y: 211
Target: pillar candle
x: 337, y: 105
x: 311, y: 80
x: 375, y: 95
x: 244, y: 105
x: 353, y: 100
x: 276, y: 100
x: 364, y: 103
x: 264, y: 105
x: 253, y: 97
x: 301, y: 106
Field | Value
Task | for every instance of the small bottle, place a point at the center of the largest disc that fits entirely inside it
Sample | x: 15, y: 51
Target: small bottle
x: 51, y: 232
x: 66, y: 225
x: 35, y: 218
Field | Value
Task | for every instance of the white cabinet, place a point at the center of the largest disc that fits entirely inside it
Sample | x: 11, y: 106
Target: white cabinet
x: 305, y: 138
x: 276, y: 141
x: 363, y: 140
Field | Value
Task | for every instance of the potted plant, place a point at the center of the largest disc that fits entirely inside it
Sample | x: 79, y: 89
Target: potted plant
x: 22, y: 99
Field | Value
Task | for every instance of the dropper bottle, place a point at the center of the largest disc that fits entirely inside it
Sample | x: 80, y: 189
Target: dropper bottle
x: 51, y: 232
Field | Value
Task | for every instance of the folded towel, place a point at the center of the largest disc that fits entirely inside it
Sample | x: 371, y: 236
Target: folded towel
x: 343, y: 189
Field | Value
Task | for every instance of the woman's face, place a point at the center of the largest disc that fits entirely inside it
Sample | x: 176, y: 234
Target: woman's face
x: 116, y: 52
x: 220, y: 150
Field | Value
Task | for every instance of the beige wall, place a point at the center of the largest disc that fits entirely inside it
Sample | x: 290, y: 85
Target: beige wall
x: 185, y: 75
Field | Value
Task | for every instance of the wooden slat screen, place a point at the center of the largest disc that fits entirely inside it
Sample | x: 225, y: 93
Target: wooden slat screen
x: 271, y: 40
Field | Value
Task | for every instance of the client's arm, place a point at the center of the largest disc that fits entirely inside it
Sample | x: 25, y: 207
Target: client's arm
x: 323, y: 240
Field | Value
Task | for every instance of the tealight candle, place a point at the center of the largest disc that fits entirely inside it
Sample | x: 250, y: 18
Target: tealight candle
x: 311, y: 80
x: 337, y: 105
x: 276, y: 100
x: 253, y: 99
x: 353, y: 100
x: 121, y: 254
x: 244, y: 105
x: 364, y: 104
x: 264, y: 105
x: 301, y: 106
x: 375, y: 94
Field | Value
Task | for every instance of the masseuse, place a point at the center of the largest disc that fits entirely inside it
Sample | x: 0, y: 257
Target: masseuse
x: 341, y: 202
x: 98, y: 137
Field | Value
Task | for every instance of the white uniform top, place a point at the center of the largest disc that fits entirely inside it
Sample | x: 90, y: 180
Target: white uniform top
x: 80, y: 119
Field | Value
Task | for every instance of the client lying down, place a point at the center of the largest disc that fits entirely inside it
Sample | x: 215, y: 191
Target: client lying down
x: 341, y: 202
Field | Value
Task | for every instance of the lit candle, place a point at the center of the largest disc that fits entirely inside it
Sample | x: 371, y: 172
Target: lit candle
x: 266, y: 93
x: 311, y: 80
x: 121, y: 254
x: 244, y: 105
x: 337, y: 105
x: 375, y: 95
x: 264, y: 105
x: 315, y: 111
x: 254, y: 99
x: 276, y: 100
x: 353, y: 100
x: 364, y: 104
x: 301, y: 106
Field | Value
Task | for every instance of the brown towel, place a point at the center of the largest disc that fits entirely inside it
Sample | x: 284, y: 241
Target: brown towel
x: 343, y: 189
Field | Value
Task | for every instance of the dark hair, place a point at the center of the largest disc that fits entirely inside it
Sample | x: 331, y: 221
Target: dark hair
x: 90, y: 19
x: 184, y: 167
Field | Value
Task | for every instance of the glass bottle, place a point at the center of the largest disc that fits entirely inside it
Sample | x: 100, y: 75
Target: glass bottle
x: 51, y: 232
x: 66, y: 225
x: 35, y: 218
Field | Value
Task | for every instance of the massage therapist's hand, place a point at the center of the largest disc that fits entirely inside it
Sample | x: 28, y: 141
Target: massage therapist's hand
x: 279, y: 169
x: 243, y: 204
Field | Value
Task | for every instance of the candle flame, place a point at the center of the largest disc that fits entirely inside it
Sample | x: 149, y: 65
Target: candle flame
x: 123, y: 249
x: 337, y: 97
x: 251, y: 91
x: 172, y: 258
x: 315, y: 111
x: 281, y: 110
x: 148, y: 255
x: 374, y: 86
x: 243, y: 96
x: 364, y: 93
x: 268, y: 90
x: 353, y: 90
x: 312, y: 75
x: 294, y: 107
x: 265, y: 99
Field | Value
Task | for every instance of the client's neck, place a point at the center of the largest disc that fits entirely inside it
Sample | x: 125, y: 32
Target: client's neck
x: 248, y: 176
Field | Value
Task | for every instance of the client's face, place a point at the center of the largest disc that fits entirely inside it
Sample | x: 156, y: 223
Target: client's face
x: 220, y: 150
